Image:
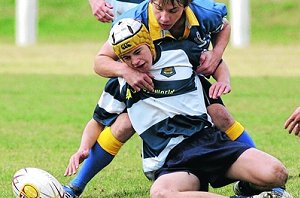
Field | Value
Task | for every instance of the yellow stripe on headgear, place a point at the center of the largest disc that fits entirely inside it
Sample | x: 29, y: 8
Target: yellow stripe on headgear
x: 127, y: 34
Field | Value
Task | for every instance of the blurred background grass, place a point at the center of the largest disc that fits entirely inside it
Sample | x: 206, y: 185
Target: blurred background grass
x: 272, y: 21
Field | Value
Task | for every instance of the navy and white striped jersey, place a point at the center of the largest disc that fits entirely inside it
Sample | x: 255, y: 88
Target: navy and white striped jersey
x: 165, y: 117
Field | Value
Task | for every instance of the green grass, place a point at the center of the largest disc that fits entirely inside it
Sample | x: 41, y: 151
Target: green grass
x: 48, y: 93
x: 42, y: 117
x: 272, y: 21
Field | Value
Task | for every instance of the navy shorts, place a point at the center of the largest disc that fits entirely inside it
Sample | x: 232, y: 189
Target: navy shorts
x: 207, y: 154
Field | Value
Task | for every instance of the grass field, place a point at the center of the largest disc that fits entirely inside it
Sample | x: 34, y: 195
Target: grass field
x: 48, y: 93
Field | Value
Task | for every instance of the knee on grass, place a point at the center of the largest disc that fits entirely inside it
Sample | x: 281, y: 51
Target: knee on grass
x: 275, y: 175
x: 278, y: 174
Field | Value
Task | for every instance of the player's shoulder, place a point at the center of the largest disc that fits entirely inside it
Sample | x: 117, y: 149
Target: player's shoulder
x: 114, y: 85
x: 208, y: 7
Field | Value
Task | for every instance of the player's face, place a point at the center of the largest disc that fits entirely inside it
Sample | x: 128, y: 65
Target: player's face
x: 167, y: 14
x: 140, y: 58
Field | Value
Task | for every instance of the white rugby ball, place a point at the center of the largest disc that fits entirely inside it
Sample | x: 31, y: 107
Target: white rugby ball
x: 36, y: 183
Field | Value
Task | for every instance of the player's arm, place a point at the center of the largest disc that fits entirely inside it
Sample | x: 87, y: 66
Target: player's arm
x: 209, y: 60
x: 106, y: 112
x: 106, y: 65
x: 90, y: 135
x: 220, y: 40
x: 221, y: 73
x: 222, y: 84
x: 102, y: 10
x: 88, y: 139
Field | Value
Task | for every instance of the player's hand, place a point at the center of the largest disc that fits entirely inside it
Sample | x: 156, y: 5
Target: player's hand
x: 219, y: 88
x: 76, y: 159
x: 208, y: 63
x: 138, y: 80
x: 102, y: 10
x: 293, y: 122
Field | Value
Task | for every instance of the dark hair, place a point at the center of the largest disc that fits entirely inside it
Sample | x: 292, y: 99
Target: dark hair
x: 180, y: 2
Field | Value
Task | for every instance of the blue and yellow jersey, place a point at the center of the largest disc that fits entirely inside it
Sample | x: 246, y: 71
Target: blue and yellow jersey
x: 204, y: 17
x: 163, y: 118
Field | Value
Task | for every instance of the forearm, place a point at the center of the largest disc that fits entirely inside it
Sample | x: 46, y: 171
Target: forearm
x: 90, y: 135
x: 106, y: 64
x: 222, y: 84
x: 220, y: 40
x: 222, y: 73
x: 107, y: 67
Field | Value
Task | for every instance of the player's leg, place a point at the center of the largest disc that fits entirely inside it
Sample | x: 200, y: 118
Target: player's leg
x: 122, y: 129
x: 184, y: 184
x: 222, y: 118
x: 225, y: 122
x: 179, y: 185
x: 261, y: 172
x: 102, y: 153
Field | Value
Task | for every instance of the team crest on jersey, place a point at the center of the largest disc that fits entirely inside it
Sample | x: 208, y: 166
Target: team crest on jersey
x: 168, y: 71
